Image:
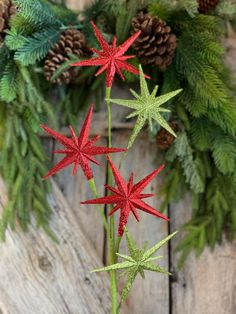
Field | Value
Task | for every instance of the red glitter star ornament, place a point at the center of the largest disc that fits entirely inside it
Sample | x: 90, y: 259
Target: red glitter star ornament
x: 128, y: 197
x: 79, y: 150
x: 111, y: 58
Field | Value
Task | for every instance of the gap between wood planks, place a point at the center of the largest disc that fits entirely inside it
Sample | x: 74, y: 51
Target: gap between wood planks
x: 170, y: 264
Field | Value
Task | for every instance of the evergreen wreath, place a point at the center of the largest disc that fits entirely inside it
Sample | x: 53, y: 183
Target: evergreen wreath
x: 202, y: 158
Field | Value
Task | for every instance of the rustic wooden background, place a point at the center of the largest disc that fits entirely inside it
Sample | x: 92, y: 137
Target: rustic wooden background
x: 40, y: 277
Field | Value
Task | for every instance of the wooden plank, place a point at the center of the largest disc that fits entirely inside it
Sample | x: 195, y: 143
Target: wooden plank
x: 152, y: 294
x: 230, y: 45
x: 76, y: 190
x: 77, y: 5
x: 207, y: 284
x: 40, y: 277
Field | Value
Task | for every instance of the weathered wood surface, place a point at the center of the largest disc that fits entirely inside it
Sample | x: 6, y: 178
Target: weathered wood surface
x: 76, y: 190
x: 37, y: 276
x: 152, y: 294
x: 206, y: 284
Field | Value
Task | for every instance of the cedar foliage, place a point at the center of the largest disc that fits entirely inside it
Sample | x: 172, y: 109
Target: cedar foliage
x: 34, y: 30
x: 206, y: 149
x: 22, y: 161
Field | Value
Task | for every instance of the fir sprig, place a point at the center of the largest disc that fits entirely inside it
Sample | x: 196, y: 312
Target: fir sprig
x: 185, y: 154
x: 22, y: 162
x: 22, y: 166
x: 36, y: 47
x: 37, y: 12
x: 9, y: 82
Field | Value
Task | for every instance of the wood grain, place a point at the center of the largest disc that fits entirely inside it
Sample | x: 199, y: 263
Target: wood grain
x: 76, y: 190
x: 152, y: 294
x: 40, y: 277
x: 207, y: 284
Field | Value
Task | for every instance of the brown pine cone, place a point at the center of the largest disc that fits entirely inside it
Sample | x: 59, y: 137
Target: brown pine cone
x: 71, y: 41
x: 166, y: 139
x: 155, y: 45
x: 7, y: 9
x: 204, y: 6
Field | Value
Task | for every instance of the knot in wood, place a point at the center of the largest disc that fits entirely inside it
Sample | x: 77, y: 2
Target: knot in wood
x: 44, y: 263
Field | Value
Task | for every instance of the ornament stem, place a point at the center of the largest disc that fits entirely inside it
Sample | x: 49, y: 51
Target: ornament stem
x: 93, y: 188
x: 108, y: 102
x: 117, y: 247
x: 112, y: 251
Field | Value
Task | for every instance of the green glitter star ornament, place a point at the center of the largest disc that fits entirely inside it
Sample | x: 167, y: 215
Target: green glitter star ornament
x: 137, y: 262
x: 147, y: 107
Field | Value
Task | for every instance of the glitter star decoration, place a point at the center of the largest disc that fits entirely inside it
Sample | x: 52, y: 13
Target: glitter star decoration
x: 128, y: 197
x: 139, y: 261
x: 111, y: 58
x: 79, y: 150
x: 147, y: 107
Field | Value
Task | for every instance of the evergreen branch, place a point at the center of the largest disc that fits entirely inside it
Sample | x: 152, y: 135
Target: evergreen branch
x: 22, y: 25
x: 37, y: 12
x: 224, y: 117
x: 202, y: 133
x: 224, y: 153
x: 226, y: 8
x: 8, y: 82
x: 4, y: 58
x: 185, y: 155
x: 191, y: 6
x: 35, y: 98
x: 37, y: 46
x: 124, y: 19
x: 20, y: 171
x: 14, y: 40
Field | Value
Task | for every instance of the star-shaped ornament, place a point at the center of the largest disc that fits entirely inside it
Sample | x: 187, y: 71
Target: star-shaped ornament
x: 111, y: 58
x: 79, y: 151
x: 137, y: 262
x: 147, y: 107
x: 128, y: 197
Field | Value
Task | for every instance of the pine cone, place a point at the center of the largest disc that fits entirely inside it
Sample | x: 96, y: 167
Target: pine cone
x: 155, y: 45
x: 71, y: 41
x: 204, y: 6
x: 7, y: 9
x: 166, y: 139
